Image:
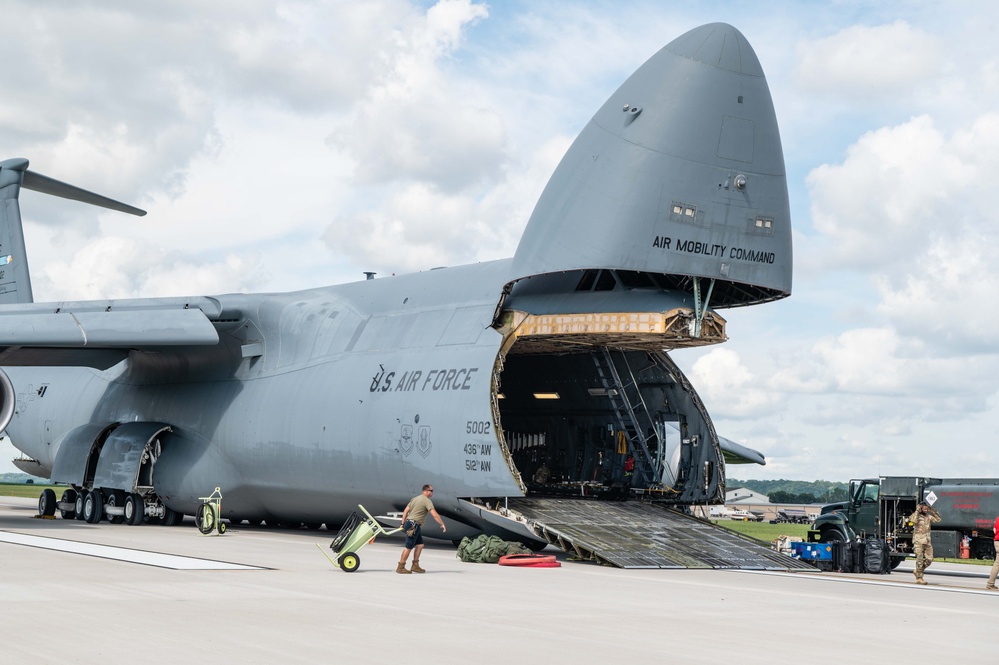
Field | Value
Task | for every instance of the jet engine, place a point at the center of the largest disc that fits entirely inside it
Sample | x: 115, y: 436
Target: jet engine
x: 7, y: 401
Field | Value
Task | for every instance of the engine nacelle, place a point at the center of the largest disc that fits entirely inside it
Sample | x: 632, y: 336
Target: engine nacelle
x: 7, y: 400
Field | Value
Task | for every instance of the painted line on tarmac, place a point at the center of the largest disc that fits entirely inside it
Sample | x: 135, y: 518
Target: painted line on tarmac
x: 870, y: 582
x: 157, y: 559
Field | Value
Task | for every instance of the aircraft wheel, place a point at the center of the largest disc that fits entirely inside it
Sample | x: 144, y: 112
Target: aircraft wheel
x: 134, y: 509
x: 205, y: 518
x: 350, y: 562
x: 172, y: 517
x: 47, y: 503
x: 313, y: 526
x: 80, y: 496
x: 69, y: 496
x: 93, y: 507
x: 235, y: 521
x: 117, y: 499
x: 255, y: 522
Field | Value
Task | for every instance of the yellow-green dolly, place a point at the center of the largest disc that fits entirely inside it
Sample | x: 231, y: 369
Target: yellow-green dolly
x: 209, y: 515
x: 353, y: 535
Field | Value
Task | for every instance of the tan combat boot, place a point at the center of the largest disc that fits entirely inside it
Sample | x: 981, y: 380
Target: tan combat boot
x: 401, y: 569
x: 416, y: 567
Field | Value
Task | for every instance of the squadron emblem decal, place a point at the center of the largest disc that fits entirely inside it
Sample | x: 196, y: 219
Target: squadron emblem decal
x: 421, y: 442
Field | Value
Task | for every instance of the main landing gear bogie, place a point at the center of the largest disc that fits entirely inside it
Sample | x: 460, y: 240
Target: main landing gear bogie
x: 116, y: 506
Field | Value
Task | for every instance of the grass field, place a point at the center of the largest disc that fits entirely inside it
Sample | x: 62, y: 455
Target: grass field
x: 765, y: 532
x: 29, y: 491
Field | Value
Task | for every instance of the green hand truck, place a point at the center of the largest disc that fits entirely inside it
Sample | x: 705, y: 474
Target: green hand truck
x: 353, y: 535
x: 209, y: 514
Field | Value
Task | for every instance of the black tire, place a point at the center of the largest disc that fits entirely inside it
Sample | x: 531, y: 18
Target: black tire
x: 135, y: 509
x: 313, y: 526
x: 895, y: 561
x: 93, y: 507
x: 832, y: 535
x: 255, y: 522
x: 69, y: 496
x: 47, y: 503
x: 235, y: 521
x: 206, y: 518
x: 222, y: 527
x: 534, y: 545
x: 350, y: 562
x: 172, y: 517
x: 116, y: 498
x: 80, y: 496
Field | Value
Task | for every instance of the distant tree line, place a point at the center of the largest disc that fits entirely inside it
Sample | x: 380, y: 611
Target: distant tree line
x: 780, y: 496
x: 795, y: 491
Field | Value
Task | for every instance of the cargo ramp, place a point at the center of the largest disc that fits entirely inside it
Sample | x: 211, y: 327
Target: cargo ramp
x: 641, y: 534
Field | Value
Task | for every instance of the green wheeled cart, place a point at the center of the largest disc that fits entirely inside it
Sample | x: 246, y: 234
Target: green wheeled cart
x: 355, y: 533
x: 209, y: 515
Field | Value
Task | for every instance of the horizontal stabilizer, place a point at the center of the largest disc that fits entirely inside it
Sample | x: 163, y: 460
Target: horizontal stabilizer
x: 46, y: 185
x: 736, y: 453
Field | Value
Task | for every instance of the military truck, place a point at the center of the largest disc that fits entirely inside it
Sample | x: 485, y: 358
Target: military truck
x: 880, y: 508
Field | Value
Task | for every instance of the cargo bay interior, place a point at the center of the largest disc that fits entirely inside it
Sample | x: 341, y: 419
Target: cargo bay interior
x: 606, y: 423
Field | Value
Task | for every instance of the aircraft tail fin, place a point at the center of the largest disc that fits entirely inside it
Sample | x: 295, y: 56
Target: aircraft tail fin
x: 15, y: 280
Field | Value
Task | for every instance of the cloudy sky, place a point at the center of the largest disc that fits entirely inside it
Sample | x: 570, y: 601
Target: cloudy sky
x: 283, y: 145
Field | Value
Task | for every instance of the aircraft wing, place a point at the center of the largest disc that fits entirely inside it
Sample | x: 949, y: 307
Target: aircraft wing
x: 98, y: 333
x: 738, y: 454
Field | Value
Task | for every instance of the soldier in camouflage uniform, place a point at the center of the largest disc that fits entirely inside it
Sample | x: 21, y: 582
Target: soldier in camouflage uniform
x: 921, y: 543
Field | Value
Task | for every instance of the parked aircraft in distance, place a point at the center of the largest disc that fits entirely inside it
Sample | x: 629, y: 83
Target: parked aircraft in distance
x: 544, y: 375
x: 720, y: 513
x: 745, y: 515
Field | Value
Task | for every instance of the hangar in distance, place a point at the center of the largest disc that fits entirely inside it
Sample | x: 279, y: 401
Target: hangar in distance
x: 546, y: 377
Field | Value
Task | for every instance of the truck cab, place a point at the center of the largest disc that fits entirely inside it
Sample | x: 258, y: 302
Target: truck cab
x: 858, y: 516
x: 878, y: 508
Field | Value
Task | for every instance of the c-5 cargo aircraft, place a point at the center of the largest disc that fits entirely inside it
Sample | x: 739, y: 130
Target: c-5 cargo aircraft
x: 544, y: 375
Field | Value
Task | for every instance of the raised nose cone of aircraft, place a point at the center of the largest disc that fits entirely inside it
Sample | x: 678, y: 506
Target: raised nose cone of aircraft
x: 680, y: 174
x: 718, y: 45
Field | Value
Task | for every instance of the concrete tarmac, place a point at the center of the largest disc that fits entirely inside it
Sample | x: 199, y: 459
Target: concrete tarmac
x: 259, y: 595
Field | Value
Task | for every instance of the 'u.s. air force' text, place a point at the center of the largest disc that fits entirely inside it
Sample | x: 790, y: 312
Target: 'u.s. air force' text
x: 666, y: 243
x: 418, y: 380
